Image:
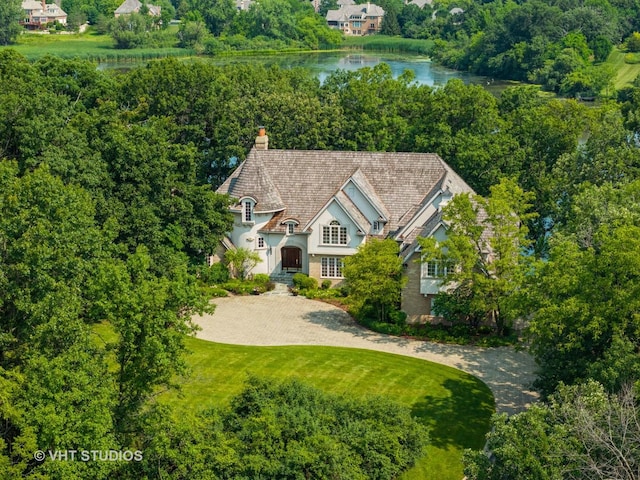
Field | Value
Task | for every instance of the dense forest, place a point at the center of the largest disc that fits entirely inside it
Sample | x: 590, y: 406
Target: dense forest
x: 107, y: 210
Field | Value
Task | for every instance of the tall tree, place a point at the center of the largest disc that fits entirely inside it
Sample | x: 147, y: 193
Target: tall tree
x: 587, y: 295
x: 10, y: 14
x: 583, y: 433
x: 485, y: 254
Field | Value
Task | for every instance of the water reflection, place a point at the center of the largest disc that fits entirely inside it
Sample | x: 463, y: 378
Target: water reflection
x: 324, y: 64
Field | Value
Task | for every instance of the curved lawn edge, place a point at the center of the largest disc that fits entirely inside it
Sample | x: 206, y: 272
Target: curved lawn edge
x: 455, y: 405
x: 285, y: 320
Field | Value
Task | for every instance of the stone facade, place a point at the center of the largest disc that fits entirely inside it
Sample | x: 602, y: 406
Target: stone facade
x: 416, y: 305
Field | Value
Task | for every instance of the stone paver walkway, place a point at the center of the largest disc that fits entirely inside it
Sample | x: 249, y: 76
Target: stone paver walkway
x: 287, y: 320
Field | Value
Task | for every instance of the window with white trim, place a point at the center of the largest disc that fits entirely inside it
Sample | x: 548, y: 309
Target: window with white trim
x: 334, y: 234
x: 260, y: 242
x: 290, y: 228
x: 247, y: 211
x: 377, y: 227
x: 436, y: 269
x: 331, y: 267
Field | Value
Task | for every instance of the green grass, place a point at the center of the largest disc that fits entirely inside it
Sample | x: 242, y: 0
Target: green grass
x: 383, y: 43
x: 625, y: 72
x: 456, y: 406
x: 87, y: 46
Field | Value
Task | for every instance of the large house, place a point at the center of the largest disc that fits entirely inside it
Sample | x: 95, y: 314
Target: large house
x: 39, y: 13
x: 305, y: 211
x: 364, y: 19
x: 133, y: 6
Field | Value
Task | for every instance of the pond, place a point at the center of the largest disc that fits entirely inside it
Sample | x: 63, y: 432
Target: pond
x: 323, y: 64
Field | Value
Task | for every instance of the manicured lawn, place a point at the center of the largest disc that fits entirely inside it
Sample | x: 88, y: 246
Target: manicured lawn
x: 625, y: 72
x: 455, y: 405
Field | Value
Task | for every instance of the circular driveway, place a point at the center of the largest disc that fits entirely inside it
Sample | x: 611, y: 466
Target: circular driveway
x: 273, y: 320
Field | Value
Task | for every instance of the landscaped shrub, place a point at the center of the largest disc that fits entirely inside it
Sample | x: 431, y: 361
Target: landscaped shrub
x: 261, y: 278
x: 214, y: 275
x: 260, y: 283
x: 326, y: 284
x: 217, y: 292
x: 239, y: 287
x: 305, y: 282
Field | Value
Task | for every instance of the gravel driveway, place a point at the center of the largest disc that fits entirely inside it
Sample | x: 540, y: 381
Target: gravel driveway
x: 287, y: 320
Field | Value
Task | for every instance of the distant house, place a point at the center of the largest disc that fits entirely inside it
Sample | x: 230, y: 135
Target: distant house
x: 419, y: 3
x: 364, y: 19
x: 37, y: 14
x: 305, y: 211
x: 133, y: 6
x: 243, y: 5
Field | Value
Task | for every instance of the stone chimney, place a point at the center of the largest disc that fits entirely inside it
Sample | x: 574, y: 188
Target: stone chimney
x: 262, y: 141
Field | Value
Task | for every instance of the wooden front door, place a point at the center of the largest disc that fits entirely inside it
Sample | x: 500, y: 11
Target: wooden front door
x: 291, y: 258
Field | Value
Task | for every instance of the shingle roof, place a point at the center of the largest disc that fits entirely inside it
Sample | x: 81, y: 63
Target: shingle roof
x: 302, y: 182
x: 31, y: 5
x: 420, y: 3
x: 365, y: 186
x: 254, y: 180
x: 356, y: 11
x: 131, y: 6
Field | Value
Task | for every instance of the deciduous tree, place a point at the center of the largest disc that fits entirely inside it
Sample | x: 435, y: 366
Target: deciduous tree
x: 374, y: 276
x: 10, y: 14
x: 486, y: 254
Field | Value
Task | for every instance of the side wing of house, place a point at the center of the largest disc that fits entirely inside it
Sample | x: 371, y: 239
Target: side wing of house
x: 424, y: 279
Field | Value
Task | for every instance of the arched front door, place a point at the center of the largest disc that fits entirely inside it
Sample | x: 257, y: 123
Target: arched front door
x: 291, y: 258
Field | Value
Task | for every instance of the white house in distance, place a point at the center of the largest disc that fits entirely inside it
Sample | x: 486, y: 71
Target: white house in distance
x: 39, y: 13
x: 364, y: 19
x: 305, y: 211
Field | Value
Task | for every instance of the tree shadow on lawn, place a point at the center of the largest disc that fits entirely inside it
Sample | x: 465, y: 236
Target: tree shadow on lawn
x: 460, y: 419
x: 508, y: 372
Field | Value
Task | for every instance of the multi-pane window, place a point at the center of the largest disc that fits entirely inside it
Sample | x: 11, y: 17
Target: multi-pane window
x: 247, y: 207
x: 331, y: 267
x: 261, y: 243
x: 290, y: 228
x: 377, y: 227
x: 334, y: 234
x: 435, y: 268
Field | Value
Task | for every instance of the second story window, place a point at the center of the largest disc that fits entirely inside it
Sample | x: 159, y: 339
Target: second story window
x: 436, y: 269
x: 334, y: 234
x: 290, y: 228
x: 247, y: 211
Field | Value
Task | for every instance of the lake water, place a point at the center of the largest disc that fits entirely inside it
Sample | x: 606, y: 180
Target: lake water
x: 323, y: 64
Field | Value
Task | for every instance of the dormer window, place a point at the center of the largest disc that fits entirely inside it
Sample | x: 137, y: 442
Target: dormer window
x: 290, y: 228
x: 377, y: 227
x: 247, y: 211
x: 334, y: 234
